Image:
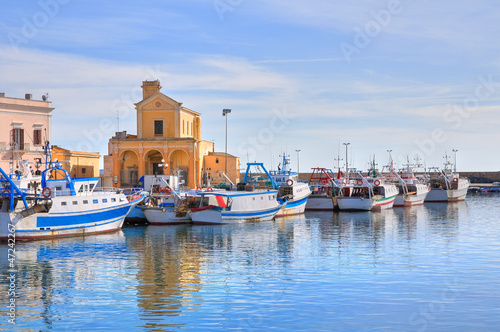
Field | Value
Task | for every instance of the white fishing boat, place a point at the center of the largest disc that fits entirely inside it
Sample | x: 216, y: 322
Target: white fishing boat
x: 412, y: 191
x: 290, y: 190
x: 66, y: 207
x: 446, y: 185
x: 175, y: 208
x: 324, y: 190
x: 236, y: 206
x: 365, y: 194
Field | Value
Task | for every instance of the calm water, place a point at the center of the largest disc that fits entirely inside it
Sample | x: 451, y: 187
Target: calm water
x: 429, y: 268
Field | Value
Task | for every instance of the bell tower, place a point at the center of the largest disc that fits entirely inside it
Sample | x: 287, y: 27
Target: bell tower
x: 149, y: 88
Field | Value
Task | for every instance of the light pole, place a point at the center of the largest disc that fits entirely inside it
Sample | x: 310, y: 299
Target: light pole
x: 455, y: 165
x: 346, y: 160
x: 298, y: 162
x: 225, y: 113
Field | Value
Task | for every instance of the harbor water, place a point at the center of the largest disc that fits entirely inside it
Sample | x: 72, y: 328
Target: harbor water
x: 434, y: 267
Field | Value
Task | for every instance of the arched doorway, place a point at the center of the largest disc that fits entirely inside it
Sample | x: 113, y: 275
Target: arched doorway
x: 179, y: 165
x: 129, y: 169
x: 153, y: 163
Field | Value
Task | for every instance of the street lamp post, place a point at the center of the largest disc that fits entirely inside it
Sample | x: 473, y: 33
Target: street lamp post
x: 455, y: 164
x: 298, y: 162
x: 225, y: 113
x: 346, y: 160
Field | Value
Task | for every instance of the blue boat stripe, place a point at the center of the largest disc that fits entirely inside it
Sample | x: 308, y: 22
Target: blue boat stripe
x: 81, y: 218
x: 92, y: 211
x: 291, y: 204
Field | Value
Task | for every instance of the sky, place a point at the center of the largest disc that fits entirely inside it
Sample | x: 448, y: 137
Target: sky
x: 417, y: 78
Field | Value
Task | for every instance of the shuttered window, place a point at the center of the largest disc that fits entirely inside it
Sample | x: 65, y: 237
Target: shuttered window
x: 17, y: 139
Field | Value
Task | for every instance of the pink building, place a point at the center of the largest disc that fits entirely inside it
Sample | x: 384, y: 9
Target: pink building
x: 25, y: 125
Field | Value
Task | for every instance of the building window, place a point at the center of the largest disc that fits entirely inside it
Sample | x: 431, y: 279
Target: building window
x: 216, y: 160
x: 84, y: 170
x: 37, y: 137
x: 158, y: 127
x: 17, y: 139
x: 183, y: 127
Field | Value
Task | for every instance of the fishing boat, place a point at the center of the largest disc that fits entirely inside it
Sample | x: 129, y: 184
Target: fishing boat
x: 169, y: 207
x: 65, y: 207
x: 412, y: 191
x: 324, y: 190
x: 446, y: 185
x: 290, y: 189
x: 366, y: 193
x: 245, y: 204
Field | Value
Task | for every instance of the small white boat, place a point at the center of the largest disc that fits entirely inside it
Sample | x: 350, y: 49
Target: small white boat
x: 446, y: 185
x: 365, y: 194
x: 67, y: 207
x: 290, y: 190
x: 236, y: 206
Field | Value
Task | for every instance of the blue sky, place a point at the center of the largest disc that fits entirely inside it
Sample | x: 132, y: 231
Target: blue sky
x: 418, y: 78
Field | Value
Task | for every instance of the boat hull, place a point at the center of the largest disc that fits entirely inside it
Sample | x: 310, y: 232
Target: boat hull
x: 443, y: 195
x: 384, y: 203
x: 355, y: 203
x: 319, y: 203
x: 218, y: 216
x: 405, y: 200
x: 165, y: 216
x: 293, y: 207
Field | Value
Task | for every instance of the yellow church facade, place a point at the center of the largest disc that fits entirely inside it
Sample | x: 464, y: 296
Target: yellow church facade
x: 168, y: 141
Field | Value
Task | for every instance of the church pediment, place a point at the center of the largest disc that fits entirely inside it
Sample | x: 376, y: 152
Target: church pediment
x: 158, y: 101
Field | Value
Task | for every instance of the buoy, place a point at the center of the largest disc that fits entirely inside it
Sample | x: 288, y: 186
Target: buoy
x: 289, y: 182
x: 376, y: 183
x: 359, y: 182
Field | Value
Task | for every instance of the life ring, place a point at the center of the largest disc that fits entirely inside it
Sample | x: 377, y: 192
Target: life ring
x: 455, y: 180
x: 166, y: 190
x: 210, y: 189
x: 46, y: 192
x: 289, y: 182
x: 198, y: 188
x: 6, y: 191
x: 157, y: 189
x: 324, y: 180
x: 359, y: 182
x: 344, y: 181
x: 422, y: 180
x: 376, y: 183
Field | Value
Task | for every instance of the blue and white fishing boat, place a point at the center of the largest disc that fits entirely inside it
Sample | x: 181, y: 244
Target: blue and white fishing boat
x: 290, y: 190
x: 246, y: 204
x: 66, y: 207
